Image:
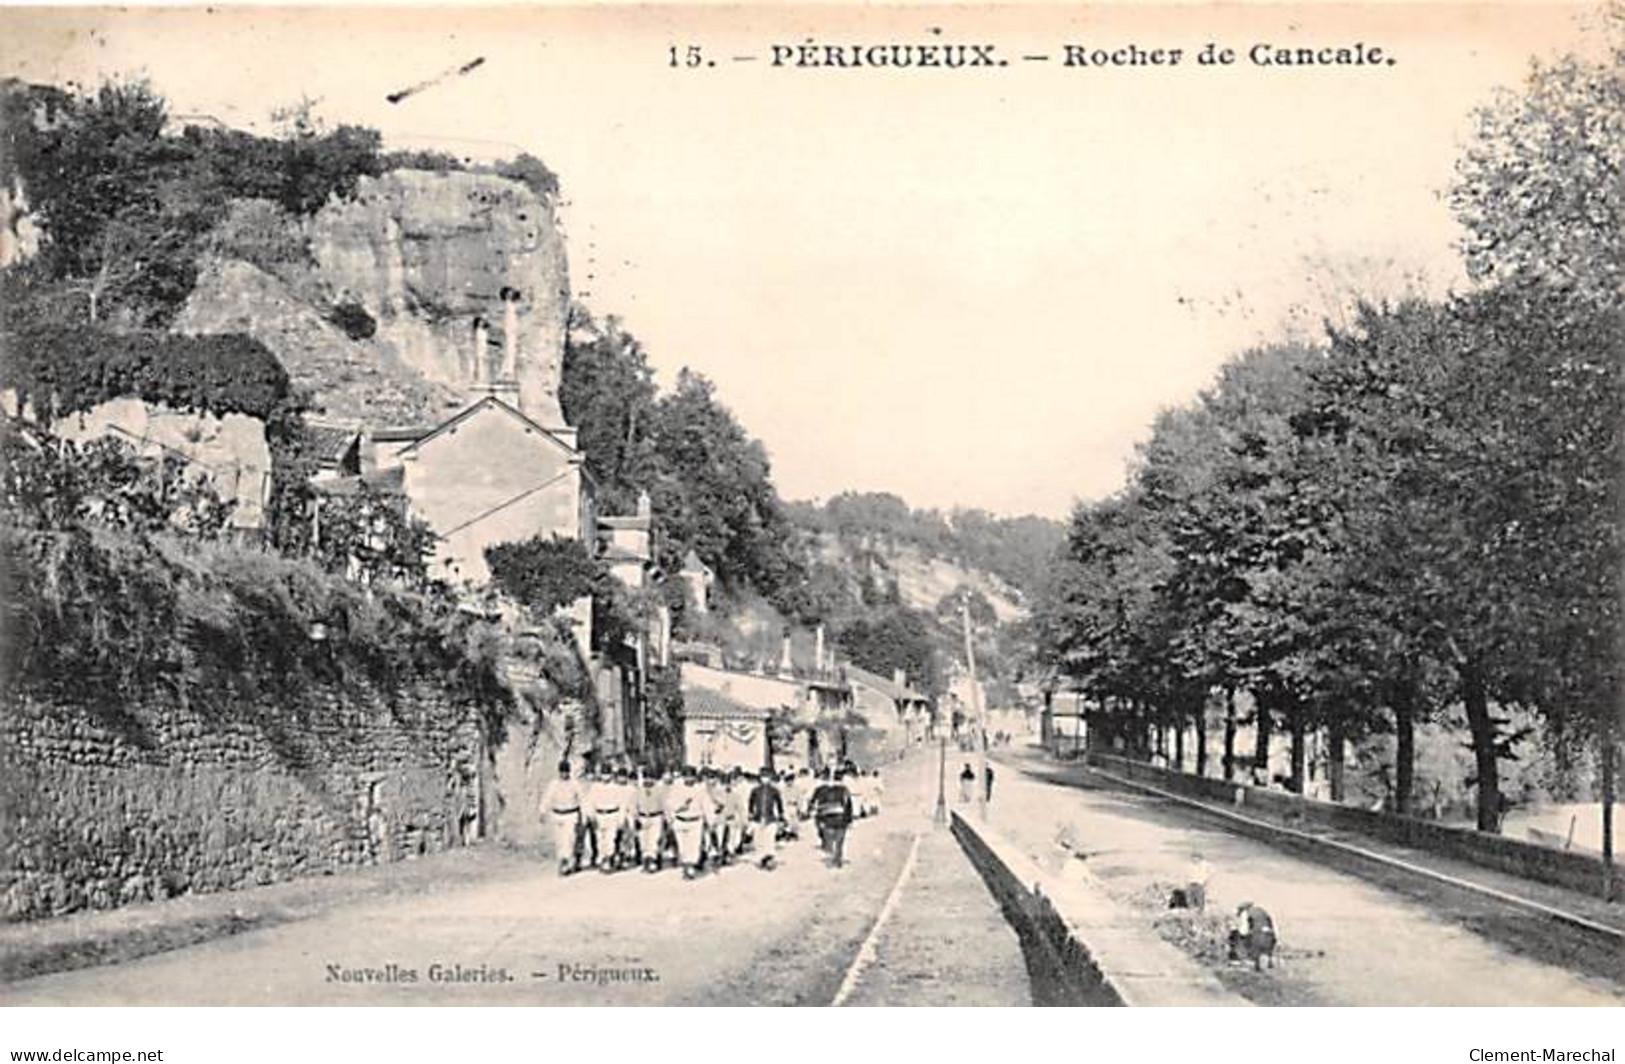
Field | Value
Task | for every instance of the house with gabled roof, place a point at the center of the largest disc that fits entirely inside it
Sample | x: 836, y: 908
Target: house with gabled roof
x: 891, y: 704
x: 491, y: 475
x: 721, y: 732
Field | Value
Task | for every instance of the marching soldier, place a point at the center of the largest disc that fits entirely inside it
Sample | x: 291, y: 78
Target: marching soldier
x: 611, y: 803
x: 561, y: 804
x: 651, y: 822
x: 689, y: 809
x: 735, y: 813
x: 716, y: 790
x: 832, y: 806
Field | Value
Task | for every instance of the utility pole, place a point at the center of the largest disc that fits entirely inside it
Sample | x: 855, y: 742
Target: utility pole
x: 940, y: 817
x: 980, y: 712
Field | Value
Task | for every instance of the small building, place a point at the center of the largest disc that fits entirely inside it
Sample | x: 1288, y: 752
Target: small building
x: 890, y: 704
x: 699, y: 578
x: 334, y: 449
x: 720, y: 732
x: 490, y: 475
x: 818, y: 708
x: 1064, y: 723
x: 626, y: 544
x: 228, y: 452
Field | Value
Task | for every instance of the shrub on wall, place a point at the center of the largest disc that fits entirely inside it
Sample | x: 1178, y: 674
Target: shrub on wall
x: 66, y: 368
x: 90, y: 611
x: 51, y: 483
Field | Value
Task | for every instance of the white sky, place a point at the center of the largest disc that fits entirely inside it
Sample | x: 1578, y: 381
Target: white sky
x: 967, y: 287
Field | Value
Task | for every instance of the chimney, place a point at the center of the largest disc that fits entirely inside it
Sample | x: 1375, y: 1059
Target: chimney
x: 482, y: 342
x: 899, y: 677
x: 645, y: 509
x: 787, y: 664
x: 510, y: 334
x: 818, y: 651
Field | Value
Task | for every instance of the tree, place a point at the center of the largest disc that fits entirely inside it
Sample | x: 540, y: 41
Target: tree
x: 369, y: 536
x: 543, y: 574
x: 53, y: 484
x: 715, y: 495
x: 608, y: 391
x: 898, y: 639
x: 1541, y: 187
x: 1541, y: 192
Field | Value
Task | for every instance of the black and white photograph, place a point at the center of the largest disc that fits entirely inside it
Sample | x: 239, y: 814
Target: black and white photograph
x: 813, y: 505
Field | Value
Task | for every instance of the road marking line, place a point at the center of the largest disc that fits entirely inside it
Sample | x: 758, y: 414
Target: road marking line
x: 871, y: 945
x: 1559, y: 915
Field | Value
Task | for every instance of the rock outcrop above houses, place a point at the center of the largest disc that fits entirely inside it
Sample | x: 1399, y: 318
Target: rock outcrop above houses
x: 346, y: 380
x: 431, y: 256
x: 439, y: 270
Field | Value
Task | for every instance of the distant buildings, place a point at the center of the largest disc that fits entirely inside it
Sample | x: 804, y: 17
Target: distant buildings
x: 820, y: 710
x: 890, y: 704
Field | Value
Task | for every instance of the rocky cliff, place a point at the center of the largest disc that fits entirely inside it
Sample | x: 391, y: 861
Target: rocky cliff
x: 447, y: 264
x: 361, y: 382
x: 462, y: 275
x: 922, y: 581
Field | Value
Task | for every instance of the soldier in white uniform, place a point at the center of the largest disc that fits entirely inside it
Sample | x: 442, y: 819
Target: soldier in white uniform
x: 688, y: 807
x: 611, y: 801
x: 561, y: 806
x: 650, y: 808
x: 736, y: 814
x: 716, y: 789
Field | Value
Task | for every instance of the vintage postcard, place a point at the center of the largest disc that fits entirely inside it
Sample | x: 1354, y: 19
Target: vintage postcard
x: 813, y: 505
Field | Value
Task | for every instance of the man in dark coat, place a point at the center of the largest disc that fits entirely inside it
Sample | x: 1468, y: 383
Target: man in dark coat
x: 832, y: 809
x: 766, y: 807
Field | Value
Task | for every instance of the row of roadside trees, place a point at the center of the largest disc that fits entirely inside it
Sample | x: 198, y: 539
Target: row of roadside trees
x: 1419, y: 513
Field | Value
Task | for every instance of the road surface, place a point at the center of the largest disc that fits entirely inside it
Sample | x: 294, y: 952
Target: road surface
x: 794, y: 935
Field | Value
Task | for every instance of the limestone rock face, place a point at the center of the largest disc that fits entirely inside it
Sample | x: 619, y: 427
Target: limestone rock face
x: 353, y: 381
x: 444, y: 262
x: 19, y: 231
x: 230, y: 452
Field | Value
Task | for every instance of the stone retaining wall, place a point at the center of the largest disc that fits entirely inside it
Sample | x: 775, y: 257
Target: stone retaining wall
x: 1542, y: 864
x: 102, y: 807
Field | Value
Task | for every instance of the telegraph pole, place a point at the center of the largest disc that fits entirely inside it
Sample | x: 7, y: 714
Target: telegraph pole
x: 980, y: 712
x: 940, y: 817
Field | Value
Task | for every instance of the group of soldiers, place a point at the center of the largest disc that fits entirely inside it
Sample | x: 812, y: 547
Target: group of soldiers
x: 614, y: 817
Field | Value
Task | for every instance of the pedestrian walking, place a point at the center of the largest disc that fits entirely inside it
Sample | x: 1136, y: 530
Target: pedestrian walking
x: 561, y: 805
x: 988, y: 795
x: 832, y: 806
x: 967, y: 784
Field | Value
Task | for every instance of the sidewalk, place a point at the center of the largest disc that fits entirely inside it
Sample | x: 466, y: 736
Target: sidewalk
x: 946, y: 942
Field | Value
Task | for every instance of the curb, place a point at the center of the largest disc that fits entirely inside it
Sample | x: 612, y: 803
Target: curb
x: 1104, y: 951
